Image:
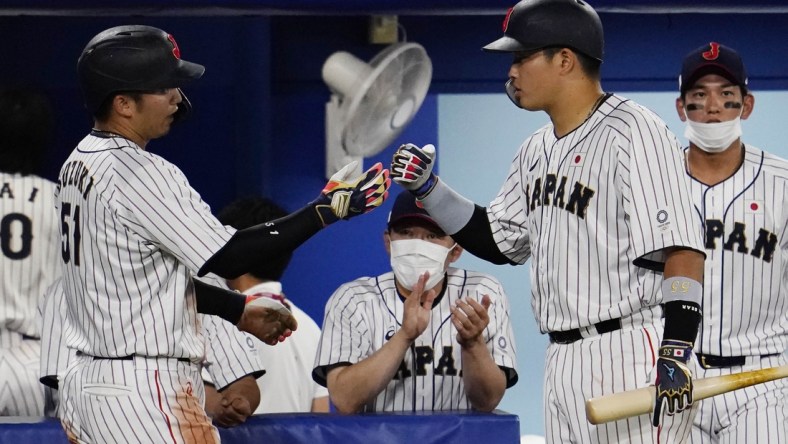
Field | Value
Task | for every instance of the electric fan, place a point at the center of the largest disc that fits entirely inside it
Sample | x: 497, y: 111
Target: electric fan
x: 372, y: 103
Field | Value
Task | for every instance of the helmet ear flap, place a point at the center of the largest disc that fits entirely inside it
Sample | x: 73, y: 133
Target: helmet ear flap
x: 184, y: 108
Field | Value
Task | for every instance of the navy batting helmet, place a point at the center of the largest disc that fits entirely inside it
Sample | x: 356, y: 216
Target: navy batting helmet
x: 535, y: 24
x: 132, y: 58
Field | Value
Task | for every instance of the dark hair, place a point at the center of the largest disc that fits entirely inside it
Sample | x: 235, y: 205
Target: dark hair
x: 250, y: 211
x: 26, y: 129
x: 590, y: 65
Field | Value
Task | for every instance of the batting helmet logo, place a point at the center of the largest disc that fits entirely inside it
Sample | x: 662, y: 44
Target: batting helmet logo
x: 506, y: 19
x: 713, y: 52
x: 175, y: 50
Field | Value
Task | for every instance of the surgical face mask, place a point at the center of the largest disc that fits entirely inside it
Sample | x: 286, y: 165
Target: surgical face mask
x: 713, y: 137
x: 410, y: 258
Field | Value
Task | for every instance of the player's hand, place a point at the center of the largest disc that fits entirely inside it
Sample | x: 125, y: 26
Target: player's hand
x: 234, y: 411
x: 344, y: 197
x: 470, y: 318
x: 418, y: 309
x: 412, y: 168
x: 674, y: 380
x: 267, y: 324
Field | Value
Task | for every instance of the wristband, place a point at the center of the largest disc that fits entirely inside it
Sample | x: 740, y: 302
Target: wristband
x: 676, y: 350
x: 682, y: 288
x: 426, y: 187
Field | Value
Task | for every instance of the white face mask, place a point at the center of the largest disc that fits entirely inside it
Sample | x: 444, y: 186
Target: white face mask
x: 410, y: 258
x: 713, y: 137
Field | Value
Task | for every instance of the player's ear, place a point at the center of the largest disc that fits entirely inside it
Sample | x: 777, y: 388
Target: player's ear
x: 567, y: 60
x: 455, y: 253
x: 680, y: 109
x: 748, y: 103
x: 122, y: 105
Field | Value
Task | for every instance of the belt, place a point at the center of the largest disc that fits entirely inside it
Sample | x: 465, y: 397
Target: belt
x: 711, y: 361
x: 570, y: 336
x: 127, y: 358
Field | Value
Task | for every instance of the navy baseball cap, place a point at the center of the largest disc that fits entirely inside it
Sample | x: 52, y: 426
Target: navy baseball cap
x: 712, y: 58
x: 406, y: 207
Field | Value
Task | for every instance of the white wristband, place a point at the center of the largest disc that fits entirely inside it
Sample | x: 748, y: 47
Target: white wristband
x: 682, y: 288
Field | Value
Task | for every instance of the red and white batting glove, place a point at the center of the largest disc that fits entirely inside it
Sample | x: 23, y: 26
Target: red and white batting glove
x: 412, y: 167
x: 344, y: 197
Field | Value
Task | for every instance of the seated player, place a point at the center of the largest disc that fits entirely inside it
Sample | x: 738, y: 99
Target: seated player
x: 424, y: 336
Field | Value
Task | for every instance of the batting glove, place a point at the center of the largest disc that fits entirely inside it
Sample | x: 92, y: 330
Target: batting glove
x: 344, y: 197
x: 412, y: 168
x: 674, y: 381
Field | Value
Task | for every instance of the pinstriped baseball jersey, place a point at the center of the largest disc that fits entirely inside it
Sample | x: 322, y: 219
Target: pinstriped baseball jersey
x: 55, y: 355
x: 133, y: 233
x: 745, y: 308
x: 362, y: 315
x: 230, y: 354
x: 29, y: 248
x: 588, y: 205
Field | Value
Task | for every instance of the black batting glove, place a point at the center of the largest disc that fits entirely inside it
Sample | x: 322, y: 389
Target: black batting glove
x: 674, y: 380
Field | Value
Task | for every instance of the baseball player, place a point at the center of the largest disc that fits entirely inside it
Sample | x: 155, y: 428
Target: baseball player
x: 134, y: 233
x: 231, y: 363
x: 287, y: 385
x: 598, y: 200
x: 29, y: 239
x: 424, y: 336
x: 740, y: 193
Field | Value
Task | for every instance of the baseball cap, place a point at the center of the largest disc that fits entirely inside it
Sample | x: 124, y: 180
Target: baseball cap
x: 712, y: 58
x: 406, y: 207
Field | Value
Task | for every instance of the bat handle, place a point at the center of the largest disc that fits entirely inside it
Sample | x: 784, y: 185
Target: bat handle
x: 621, y: 405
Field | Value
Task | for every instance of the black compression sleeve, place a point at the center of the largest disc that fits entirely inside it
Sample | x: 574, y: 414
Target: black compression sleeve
x: 212, y: 300
x: 476, y: 237
x: 681, y: 320
x: 255, y: 244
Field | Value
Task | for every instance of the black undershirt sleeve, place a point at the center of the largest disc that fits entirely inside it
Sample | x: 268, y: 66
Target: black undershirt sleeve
x: 682, y: 319
x: 476, y: 237
x: 260, y: 242
x: 216, y: 301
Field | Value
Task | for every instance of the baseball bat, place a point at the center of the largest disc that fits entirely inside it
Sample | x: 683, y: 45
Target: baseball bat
x: 640, y: 401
